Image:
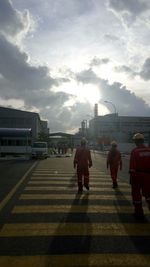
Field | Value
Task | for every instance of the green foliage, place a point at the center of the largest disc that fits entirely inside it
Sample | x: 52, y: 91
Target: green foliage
x: 43, y: 137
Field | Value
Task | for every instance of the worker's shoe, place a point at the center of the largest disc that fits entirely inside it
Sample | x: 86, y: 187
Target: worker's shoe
x: 80, y: 190
x: 139, y: 216
x: 86, y: 186
x: 148, y: 203
x: 115, y: 185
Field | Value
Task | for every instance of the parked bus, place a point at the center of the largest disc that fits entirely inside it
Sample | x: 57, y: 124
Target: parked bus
x: 15, y: 141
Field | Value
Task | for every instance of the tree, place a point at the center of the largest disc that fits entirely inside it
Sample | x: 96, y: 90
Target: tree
x: 43, y: 137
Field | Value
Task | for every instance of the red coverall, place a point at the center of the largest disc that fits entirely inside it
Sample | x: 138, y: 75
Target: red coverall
x: 113, y: 161
x: 140, y: 176
x: 83, y: 161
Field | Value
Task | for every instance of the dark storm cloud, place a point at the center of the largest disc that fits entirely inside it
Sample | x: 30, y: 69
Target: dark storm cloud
x: 126, y: 70
x: 145, y: 72
x: 134, y: 7
x: 18, y: 75
x: 12, y: 21
x: 87, y: 76
x: 126, y: 102
x: 45, y: 99
x: 33, y: 84
x: 99, y: 61
x: 65, y: 118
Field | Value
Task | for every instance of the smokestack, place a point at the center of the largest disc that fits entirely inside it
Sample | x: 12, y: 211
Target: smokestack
x: 83, y: 125
x: 96, y: 110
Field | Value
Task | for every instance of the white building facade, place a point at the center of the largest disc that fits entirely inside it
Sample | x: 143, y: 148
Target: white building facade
x: 119, y: 128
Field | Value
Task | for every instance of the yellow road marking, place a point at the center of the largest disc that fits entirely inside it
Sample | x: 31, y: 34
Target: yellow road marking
x: 74, y: 260
x: 67, y: 173
x: 11, y: 193
x: 67, y: 178
x: 61, y: 176
x: 74, y: 229
x: 66, y: 183
x: 72, y: 209
x: 61, y: 188
x: 54, y: 173
x: 72, y: 197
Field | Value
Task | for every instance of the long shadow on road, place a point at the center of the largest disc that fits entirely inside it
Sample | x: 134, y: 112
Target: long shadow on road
x: 135, y: 242
x: 65, y: 243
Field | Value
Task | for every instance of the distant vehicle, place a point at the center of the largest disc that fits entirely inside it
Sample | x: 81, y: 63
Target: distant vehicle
x: 15, y: 141
x: 40, y: 150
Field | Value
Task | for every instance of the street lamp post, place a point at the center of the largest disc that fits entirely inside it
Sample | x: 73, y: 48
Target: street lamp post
x: 112, y: 105
x: 84, y: 127
x: 115, y: 111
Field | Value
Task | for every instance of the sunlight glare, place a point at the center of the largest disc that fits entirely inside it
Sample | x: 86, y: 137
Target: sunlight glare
x: 82, y: 92
x: 102, y: 110
x: 91, y: 93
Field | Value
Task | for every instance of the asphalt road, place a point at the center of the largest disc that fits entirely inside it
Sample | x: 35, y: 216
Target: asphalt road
x: 45, y: 223
x: 100, y: 164
x: 11, y: 170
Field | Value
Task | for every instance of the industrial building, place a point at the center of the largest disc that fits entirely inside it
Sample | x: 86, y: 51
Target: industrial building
x: 120, y: 128
x: 104, y: 129
x: 14, y: 118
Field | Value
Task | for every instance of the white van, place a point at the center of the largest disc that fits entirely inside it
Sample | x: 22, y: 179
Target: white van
x: 40, y: 150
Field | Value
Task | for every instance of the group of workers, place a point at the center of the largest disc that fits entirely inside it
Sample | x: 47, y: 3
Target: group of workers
x: 139, y: 169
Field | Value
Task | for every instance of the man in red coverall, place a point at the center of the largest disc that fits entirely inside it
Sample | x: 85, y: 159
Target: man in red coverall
x: 114, y: 161
x: 83, y: 161
x: 140, y: 175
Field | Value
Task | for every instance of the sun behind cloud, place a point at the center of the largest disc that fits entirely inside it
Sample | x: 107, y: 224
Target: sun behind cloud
x: 90, y: 93
x: 83, y: 92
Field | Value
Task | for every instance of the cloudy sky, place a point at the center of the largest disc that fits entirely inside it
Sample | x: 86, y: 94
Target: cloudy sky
x: 59, y: 58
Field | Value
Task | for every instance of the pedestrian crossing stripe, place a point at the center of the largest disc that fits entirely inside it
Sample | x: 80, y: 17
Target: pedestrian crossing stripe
x: 23, y: 233
x: 74, y: 229
x: 67, y: 188
x: 53, y: 174
x: 80, y: 260
x: 59, y: 178
x: 72, y: 197
x: 70, y: 179
x: 62, y: 170
x: 73, y: 209
x: 55, y: 171
x: 65, y: 183
x: 66, y: 175
x: 65, y: 171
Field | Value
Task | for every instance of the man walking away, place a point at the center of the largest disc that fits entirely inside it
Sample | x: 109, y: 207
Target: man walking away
x: 113, y: 162
x: 140, y: 174
x: 83, y: 161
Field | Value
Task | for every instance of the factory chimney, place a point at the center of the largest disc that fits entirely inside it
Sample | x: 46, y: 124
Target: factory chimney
x: 96, y: 110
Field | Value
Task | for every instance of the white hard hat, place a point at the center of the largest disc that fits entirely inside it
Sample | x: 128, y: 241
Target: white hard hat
x: 83, y: 140
x: 138, y: 136
x: 114, y: 143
